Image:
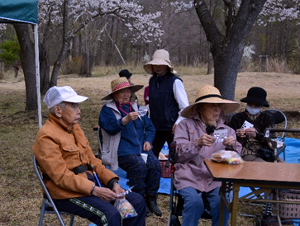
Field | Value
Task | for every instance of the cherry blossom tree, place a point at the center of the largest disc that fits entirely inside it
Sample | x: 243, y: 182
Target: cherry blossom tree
x: 228, y: 41
x: 92, y: 20
x: 279, y: 22
x: 71, y: 16
x: 227, y: 45
x: 280, y: 10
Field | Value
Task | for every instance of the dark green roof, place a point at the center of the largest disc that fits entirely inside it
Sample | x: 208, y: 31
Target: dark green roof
x: 25, y: 11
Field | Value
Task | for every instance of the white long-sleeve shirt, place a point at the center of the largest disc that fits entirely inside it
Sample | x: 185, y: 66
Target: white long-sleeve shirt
x: 181, y: 97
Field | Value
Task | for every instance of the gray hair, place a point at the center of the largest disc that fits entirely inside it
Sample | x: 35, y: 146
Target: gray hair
x: 61, y: 104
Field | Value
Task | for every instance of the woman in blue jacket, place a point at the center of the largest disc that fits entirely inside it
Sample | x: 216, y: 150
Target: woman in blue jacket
x: 127, y: 135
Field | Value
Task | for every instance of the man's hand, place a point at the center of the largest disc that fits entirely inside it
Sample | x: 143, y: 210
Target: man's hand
x: 205, y: 140
x: 119, y: 190
x: 105, y: 193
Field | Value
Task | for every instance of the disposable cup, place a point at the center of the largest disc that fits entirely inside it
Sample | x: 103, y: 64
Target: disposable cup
x: 144, y: 156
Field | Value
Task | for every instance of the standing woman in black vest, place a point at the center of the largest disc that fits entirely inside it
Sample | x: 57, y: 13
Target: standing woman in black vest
x: 167, y: 98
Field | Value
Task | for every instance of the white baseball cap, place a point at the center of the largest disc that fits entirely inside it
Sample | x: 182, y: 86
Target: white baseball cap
x: 56, y: 95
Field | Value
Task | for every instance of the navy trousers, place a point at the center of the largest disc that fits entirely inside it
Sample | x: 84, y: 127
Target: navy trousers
x: 145, y: 177
x: 103, y: 213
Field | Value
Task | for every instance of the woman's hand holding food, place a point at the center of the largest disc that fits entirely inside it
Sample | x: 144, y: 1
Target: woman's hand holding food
x: 251, y: 132
x: 205, y: 140
x: 130, y: 117
x: 240, y: 133
x: 229, y: 141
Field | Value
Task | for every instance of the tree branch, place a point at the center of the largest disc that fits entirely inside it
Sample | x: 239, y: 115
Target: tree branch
x: 212, y: 32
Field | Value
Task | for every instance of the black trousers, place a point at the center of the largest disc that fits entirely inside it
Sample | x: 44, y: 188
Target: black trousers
x: 160, y: 138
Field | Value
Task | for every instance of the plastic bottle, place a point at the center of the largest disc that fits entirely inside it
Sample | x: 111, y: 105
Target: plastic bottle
x: 165, y: 149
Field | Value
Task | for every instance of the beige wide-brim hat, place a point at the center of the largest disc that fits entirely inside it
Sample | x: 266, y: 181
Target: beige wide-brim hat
x: 160, y: 57
x: 119, y: 84
x: 210, y: 94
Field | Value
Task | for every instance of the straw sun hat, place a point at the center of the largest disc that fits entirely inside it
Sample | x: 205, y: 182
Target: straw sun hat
x: 160, y: 57
x: 119, y: 84
x: 210, y: 94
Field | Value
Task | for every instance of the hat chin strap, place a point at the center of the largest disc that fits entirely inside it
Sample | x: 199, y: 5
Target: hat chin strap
x: 209, y: 128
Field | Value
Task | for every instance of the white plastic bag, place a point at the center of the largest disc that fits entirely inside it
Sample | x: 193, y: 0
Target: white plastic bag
x: 230, y: 157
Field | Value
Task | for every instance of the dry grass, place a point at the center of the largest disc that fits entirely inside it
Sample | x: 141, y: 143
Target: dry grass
x: 20, y: 195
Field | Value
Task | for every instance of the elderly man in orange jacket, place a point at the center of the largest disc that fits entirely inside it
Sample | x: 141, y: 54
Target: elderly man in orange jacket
x: 65, y: 158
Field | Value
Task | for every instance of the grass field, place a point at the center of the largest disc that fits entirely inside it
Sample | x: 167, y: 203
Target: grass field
x: 20, y: 192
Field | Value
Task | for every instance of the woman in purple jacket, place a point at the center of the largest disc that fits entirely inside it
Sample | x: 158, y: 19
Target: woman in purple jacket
x: 195, y: 142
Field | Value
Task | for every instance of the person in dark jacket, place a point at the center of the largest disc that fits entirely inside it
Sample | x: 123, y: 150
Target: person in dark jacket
x: 125, y: 73
x: 167, y: 98
x: 251, y: 124
x: 127, y: 136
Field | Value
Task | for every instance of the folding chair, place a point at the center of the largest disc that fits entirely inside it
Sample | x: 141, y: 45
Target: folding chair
x: 99, y: 138
x: 137, y: 100
x: 48, y: 206
x: 280, y: 118
x: 176, y: 201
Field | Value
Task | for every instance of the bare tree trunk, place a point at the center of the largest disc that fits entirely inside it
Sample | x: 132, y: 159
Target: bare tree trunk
x: 227, y: 49
x: 226, y: 66
x: 27, y: 56
x: 16, y: 66
x: 209, y: 63
x: 64, y: 49
x: 44, y: 68
x: 85, y: 67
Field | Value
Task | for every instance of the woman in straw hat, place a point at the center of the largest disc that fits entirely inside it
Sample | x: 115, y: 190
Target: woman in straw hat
x: 167, y: 98
x: 250, y: 125
x: 126, y: 135
x: 195, y: 142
